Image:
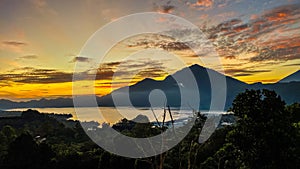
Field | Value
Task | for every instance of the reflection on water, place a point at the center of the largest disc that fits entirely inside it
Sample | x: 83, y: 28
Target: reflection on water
x: 110, y: 114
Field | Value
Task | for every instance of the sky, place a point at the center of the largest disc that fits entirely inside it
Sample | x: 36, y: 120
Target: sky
x: 40, y: 42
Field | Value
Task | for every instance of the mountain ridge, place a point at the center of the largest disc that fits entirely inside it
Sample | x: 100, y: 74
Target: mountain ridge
x: 289, y: 91
x: 292, y: 77
x: 138, y: 97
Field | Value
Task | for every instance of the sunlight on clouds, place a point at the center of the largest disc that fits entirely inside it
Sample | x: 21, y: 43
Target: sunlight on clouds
x: 256, y: 41
x: 32, y: 91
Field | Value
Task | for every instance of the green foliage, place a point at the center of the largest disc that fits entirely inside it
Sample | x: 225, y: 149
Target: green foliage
x: 7, y: 135
x: 264, y: 136
x: 294, y: 109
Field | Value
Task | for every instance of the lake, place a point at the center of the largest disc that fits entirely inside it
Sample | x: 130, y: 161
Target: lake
x: 112, y: 115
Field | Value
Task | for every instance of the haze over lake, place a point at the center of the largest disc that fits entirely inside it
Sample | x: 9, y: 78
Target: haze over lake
x: 112, y: 115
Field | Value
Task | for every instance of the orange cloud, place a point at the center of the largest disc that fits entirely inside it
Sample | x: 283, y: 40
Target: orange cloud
x: 241, y: 28
x: 277, y: 16
x: 204, y: 3
x: 269, y: 37
x: 284, y: 43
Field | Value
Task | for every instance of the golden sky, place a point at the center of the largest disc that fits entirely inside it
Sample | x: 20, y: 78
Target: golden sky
x: 257, y: 41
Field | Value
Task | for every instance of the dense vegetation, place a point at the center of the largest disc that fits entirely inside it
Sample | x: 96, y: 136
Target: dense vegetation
x: 266, y: 135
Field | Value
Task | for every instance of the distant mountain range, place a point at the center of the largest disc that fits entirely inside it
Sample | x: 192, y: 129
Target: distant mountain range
x: 294, y: 77
x: 42, y: 103
x: 288, y: 88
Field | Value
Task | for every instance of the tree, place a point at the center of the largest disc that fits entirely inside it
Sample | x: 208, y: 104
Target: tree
x: 294, y: 109
x: 264, y: 133
x: 9, y: 133
x: 24, y: 153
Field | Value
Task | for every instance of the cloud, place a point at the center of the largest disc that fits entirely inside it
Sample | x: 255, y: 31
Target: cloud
x: 270, y: 36
x: 28, y: 57
x: 152, y: 72
x: 280, y: 13
x: 80, y: 59
x: 131, y: 70
x: 204, y: 3
x: 5, y: 84
x: 170, y: 44
x: 128, y: 71
x: 281, y: 54
x: 244, y: 72
x: 210, y: 4
x: 164, y: 8
x: 240, y: 28
x: 110, y: 64
x: 14, y: 43
x: 174, y: 46
x: 36, y: 76
x: 230, y: 57
x: 293, y: 64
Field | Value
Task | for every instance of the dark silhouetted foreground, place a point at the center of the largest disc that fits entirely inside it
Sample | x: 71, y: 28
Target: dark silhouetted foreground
x: 265, y: 136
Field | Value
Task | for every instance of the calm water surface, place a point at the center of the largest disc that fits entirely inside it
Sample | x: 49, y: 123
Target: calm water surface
x: 111, y: 114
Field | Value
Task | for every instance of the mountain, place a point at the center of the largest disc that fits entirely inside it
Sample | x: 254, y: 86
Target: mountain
x: 42, y: 103
x: 294, y: 77
x: 289, y: 90
x: 139, y: 93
